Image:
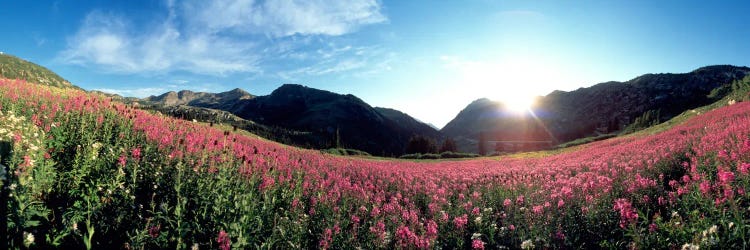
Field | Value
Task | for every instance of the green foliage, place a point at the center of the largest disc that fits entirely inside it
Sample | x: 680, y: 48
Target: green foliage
x: 451, y: 154
x: 586, y: 140
x: 647, y: 119
x: 419, y: 156
x: 12, y: 67
x: 421, y: 144
x: 443, y: 155
x: 448, y: 146
x: 345, y: 152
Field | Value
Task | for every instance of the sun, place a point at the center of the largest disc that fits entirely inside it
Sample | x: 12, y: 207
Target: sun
x: 518, y: 104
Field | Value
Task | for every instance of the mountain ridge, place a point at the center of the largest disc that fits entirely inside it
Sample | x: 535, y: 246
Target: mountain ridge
x: 598, y: 109
x: 334, y: 120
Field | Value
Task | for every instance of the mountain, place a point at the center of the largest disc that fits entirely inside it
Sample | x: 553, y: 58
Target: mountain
x: 600, y: 109
x: 12, y: 67
x: 408, y: 123
x: 326, y: 119
x: 222, y: 101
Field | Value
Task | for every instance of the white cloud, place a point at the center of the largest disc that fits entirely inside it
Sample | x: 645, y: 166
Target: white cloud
x: 360, y: 61
x: 110, y: 42
x: 138, y: 92
x: 214, y: 37
x: 279, y: 18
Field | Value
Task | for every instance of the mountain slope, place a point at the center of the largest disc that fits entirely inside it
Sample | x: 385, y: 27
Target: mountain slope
x: 357, y: 124
x: 12, y: 67
x: 223, y: 101
x: 408, y: 123
x: 603, y: 108
x: 313, y: 118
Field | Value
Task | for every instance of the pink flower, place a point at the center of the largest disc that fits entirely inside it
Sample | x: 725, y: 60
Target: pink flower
x: 725, y: 177
x: 432, y: 229
x: 705, y: 187
x: 224, y: 240
x: 519, y: 200
x: 560, y: 203
x: 405, y: 237
x: 477, y: 244
x: 628, y: 215
x: 744, y: 168
x: 136, y: 153
x: 122, y: 160
x: 461, y: 221
x: 325, y: 242
x: 507, y: 202
x: 153, y: 231
x: 652, y: 227
x: 538, y: 209
x: 268, y: 181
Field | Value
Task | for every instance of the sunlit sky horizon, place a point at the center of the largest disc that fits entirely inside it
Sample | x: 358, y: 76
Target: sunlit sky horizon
x: 428, y: 59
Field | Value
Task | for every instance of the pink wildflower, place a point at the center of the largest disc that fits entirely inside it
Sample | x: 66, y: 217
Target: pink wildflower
x: 628, y: 215
x: 461, y: 221
x: 224, y: 240
x: 477, y: 244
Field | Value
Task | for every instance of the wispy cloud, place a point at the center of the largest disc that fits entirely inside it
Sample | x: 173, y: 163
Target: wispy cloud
x: 344, y: 60
x: 280, y: 18
x: 215, y: 37
x: 138, y: 92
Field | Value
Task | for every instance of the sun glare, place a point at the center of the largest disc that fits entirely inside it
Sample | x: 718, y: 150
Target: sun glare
x: 518, y: 104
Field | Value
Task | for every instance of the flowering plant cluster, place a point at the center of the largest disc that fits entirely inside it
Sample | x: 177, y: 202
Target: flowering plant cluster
x: 90, y: 172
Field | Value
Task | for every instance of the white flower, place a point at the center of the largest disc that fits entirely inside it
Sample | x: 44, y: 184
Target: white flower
x: 476, y: 236
x: 713, y: 229
x: 689, y: 246
x: 731, y: 224
x: 28, y: 239
x: 194, y: 247
x: 478, y: 220
x: 527, y: 244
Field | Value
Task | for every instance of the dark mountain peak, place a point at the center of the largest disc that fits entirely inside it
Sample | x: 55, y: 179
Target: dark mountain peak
x: 238, y: 91
x: 481, y: 101
x: 300, y: 90
x: 290, y: 87
x: 169, y: 94
x: 720, y: 68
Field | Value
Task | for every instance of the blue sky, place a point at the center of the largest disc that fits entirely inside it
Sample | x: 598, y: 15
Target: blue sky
x: 426, y: 58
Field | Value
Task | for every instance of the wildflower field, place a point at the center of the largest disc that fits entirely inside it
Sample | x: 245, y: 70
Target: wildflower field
x: 86, y: 172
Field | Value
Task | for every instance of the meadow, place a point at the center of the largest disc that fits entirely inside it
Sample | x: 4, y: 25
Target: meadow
x: 87, y: 172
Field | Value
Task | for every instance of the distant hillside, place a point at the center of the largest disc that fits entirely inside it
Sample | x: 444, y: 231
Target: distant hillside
x: 408, y: 123
x: 223, y: 101
x: 12, y: 67
x: 321, y: 118
x: 600, y: 109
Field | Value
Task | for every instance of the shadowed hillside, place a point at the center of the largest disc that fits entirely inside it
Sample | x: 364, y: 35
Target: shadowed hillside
x: 600, y: 109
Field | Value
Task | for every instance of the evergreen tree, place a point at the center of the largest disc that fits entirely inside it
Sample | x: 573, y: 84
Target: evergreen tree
x: 448, y: 145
